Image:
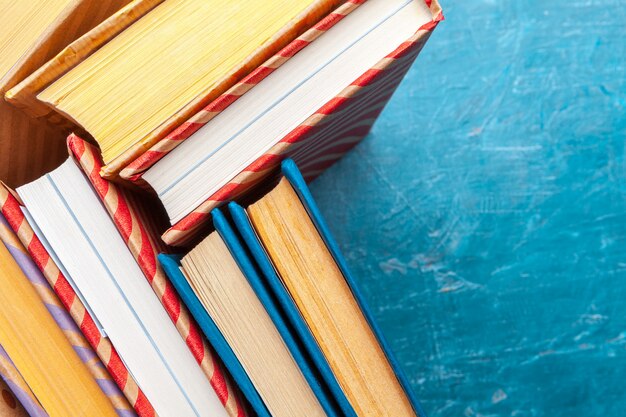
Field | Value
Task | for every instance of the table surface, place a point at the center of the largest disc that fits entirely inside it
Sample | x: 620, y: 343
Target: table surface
x: 485, y: 216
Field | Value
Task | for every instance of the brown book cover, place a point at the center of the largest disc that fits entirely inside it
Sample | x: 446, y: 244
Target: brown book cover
x: 29, y: 148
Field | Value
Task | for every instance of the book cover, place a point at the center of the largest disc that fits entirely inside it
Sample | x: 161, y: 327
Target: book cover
x: 316, y: 144
x: 138, y: 225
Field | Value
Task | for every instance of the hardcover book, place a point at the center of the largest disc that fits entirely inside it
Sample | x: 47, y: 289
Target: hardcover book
x: 41, y: 352
x: 139, y: 221
x: 129, y: 88
x: 11, y: 208
x: 291, y: 272
x: 64, y: 321
x: 302, y: 263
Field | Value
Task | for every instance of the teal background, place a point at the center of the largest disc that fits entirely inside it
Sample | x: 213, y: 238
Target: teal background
x: 485, y: 216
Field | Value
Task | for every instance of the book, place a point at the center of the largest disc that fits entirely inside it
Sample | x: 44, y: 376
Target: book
x: 170, y: 63
x: 9, y: 405
x: 33, y: 32
x: 39, y: 349
x: 137, y: 227
x: 288, y: 308
x: 63, y: 319
x: 291, y: 243
x: 252, y: 366
x: 70, y: 219
x: 11, y: 208
x: 171, y: 264
x: 223, y: 291
x: 305, y: 103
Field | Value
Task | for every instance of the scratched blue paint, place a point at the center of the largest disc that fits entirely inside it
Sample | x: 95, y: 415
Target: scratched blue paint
x: 486, y: 215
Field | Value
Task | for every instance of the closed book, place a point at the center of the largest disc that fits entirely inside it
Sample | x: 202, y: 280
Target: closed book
x: 41, y: 352
x: 32, y: 33
x: 12, y: 210
x: 137, y: 218
x: 134, y: 225
x: 159, y: 62
x: 64, y: 320
x: 198, y: 166
x: 171, y: 264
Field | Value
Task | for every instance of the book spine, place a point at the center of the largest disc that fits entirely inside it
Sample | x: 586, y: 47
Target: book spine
x: 19, y: 388
x: 63, y: 319
x: 10, y: 208
x: 127, y: 219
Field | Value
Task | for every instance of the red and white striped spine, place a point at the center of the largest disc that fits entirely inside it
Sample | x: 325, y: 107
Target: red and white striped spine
x: 325, y: 136
x: 11, y: 209
x: 126, y: 214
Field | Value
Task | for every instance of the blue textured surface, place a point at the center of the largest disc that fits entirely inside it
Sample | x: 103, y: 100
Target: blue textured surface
x: 485, y: 217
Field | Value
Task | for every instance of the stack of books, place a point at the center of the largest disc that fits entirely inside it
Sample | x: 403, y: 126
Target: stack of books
x: 175, y: 264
